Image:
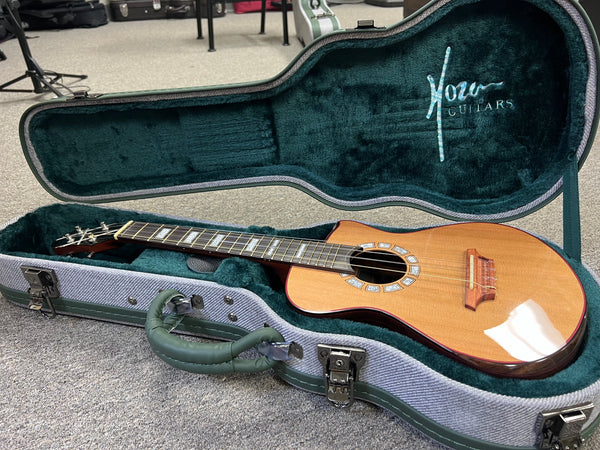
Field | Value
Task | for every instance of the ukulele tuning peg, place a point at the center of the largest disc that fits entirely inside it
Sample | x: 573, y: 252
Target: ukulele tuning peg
x: 78, y: 229
x: 104, y: 226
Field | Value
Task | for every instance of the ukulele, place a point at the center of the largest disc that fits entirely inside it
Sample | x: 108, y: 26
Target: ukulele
x: 488, y: 295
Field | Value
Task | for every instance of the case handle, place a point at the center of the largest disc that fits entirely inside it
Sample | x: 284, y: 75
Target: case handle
x: 197, y: 357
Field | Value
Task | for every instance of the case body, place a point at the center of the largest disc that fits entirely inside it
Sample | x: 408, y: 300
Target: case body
x: 167, y: 9
x: 392, y: 116
x: 57, y: 15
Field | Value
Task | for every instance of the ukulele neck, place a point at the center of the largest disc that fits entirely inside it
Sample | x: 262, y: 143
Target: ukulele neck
x: 291, y: 251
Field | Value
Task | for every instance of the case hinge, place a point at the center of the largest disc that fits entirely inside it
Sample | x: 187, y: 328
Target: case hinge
x: 561, y: 429
x: 341, y: 366
x: 43, y: 287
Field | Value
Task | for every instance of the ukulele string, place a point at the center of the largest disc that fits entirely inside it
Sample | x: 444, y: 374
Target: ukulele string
x: 400, y: 270
x: 264, y: 247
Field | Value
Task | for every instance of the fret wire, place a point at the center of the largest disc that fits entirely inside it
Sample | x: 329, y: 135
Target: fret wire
x: 138, y: 231
x: 336, y: 255
x: 189, y: 229
x: 329, y: 248
x: 244, y: 242
x: 169, y: 234
x: 257, y: 239
x: 272, y: 242
x: 251, y: 237
x: 200, y: 240
x: 302, y: 250
x: 266, y: 247
x: 147, y: 232
x: 345, y: 262
x: 290, y: 250
x: 273, y: 255
x: 211, y: 238
x: 130, y: 229
x: 155, y: 231
x: 277, y: 252
x: 179, y: 235
x: 203, y: 230
x: 290, y: 242
x: 314, y: 248
x: 224, y: 240
x: 323, y: 247
x: 239, y: 235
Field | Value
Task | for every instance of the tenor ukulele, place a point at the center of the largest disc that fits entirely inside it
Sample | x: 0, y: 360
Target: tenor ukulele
x: 491, y: 296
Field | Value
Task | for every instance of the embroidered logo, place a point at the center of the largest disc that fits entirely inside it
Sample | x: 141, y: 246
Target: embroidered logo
x: 457, y: 96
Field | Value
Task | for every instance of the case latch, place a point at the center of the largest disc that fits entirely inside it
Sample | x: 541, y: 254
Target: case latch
x: 561, y: 429
x: 124, y: 9
x: 341, y: 366
x: 43, y: 287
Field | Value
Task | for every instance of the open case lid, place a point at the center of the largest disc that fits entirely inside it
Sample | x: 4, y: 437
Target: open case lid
x: 471, y: 109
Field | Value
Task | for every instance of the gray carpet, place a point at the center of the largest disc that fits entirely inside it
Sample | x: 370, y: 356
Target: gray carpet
x: 74, y: 383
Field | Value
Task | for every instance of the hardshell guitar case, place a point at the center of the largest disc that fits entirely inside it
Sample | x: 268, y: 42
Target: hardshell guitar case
x: 479, y: 111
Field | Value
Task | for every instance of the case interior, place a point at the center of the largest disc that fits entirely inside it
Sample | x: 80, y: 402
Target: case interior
x: 471, y: 110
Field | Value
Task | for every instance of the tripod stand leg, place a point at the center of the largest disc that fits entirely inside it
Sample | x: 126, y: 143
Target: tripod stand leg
x: 11, y: 82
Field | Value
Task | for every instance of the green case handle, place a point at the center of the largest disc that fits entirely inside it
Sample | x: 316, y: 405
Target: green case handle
x: 197, y: 357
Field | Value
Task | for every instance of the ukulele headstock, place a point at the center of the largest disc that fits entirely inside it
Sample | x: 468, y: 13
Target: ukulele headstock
x: 88, y: 240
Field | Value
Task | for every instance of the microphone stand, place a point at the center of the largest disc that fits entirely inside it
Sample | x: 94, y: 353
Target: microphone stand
x: 43, y: 80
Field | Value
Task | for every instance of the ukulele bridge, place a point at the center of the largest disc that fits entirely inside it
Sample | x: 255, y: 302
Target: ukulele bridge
x: 480, y: 281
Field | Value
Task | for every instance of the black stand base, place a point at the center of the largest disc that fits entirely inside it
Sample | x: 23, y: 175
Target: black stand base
x: 43, y: 80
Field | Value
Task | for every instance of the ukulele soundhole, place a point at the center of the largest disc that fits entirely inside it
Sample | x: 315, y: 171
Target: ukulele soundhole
x: 378, y: 267
x: 382, y: 268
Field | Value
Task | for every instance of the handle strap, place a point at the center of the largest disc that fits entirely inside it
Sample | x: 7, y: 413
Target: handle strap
x: 197, y: 357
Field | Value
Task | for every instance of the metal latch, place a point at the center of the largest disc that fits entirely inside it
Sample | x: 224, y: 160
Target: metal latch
x: 182, y: 306
x: 124, y: 9
x: 561, y: 429
x: 43, y: 287
x: 341, y: 366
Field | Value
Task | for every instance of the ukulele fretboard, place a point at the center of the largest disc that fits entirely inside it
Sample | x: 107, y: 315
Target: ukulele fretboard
x: 304, y: 252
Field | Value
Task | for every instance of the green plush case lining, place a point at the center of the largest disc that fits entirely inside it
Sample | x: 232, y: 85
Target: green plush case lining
x: 360, y: 119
